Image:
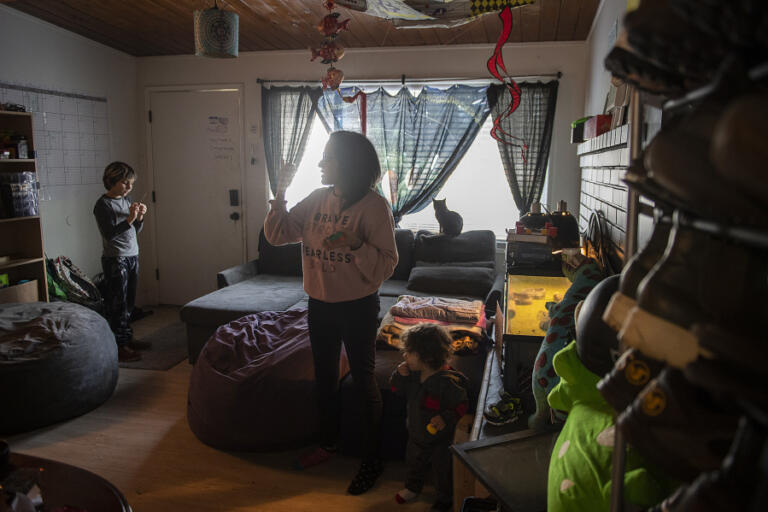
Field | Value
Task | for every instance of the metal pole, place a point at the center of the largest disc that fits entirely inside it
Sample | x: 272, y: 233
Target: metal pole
x: 635, y: 146
x: 413, y: 80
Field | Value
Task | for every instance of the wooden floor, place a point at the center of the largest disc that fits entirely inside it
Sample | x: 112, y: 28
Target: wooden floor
x: 140, y: 441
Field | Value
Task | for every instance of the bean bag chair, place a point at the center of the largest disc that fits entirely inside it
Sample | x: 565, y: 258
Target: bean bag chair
x: 253, y: 386
x: 57, y: 361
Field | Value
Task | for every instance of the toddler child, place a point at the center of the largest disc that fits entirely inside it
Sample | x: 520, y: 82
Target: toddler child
x: 120, y: 220
x: 437, y: 399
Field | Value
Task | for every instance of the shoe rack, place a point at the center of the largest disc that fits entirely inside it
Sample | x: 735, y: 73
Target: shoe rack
x: 669, y: 209
x: 21, y: 241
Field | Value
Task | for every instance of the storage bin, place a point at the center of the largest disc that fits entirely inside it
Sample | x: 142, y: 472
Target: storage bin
x: 24, y: 292
x: 18, y: 194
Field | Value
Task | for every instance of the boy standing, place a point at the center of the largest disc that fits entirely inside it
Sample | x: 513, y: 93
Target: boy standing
x: 120, y: 220
x: 437, y: 399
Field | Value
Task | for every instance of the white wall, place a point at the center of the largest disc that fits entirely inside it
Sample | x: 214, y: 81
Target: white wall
x: 600, y: 41
x: 370, y: 64
x: 38, y: 54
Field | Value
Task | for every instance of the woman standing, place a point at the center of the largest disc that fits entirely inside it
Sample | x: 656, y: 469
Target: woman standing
x: 348, y: 250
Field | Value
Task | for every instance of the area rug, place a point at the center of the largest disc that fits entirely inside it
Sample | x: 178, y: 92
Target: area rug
x: 169, y: 347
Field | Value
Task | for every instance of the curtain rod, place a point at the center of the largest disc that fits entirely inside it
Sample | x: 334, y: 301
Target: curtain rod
x: 403, y: 79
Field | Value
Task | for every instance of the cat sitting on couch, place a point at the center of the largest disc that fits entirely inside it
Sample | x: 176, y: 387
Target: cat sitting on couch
x: 450, y: 222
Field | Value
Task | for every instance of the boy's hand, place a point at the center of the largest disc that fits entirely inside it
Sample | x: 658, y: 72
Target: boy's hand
x: 142, y: 210
x: 438, y: 422
x: 403, y: 370
x: 133, y: 213
x: 343, y: 238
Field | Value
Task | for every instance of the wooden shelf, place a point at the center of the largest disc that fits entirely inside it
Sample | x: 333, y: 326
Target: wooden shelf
x: 23, y: 240
x: 19, y: 219
x: 20, y: 262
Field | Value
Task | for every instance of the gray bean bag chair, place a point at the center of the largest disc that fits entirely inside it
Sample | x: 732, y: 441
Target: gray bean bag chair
x: 253, y: 385
x: 57, y: 361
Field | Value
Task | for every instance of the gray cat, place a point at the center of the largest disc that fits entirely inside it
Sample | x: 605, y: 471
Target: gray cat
x: 450, y: 222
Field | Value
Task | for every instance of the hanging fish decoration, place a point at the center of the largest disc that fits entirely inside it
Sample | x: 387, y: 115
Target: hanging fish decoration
x: 333, y: 78
x: 330, y: 25
x: 329, y: 51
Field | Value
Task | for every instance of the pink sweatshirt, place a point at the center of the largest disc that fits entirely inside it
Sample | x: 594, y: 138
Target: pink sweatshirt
x: 337, y: 275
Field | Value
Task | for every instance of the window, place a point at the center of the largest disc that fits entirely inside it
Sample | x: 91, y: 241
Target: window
x: 477, y: 189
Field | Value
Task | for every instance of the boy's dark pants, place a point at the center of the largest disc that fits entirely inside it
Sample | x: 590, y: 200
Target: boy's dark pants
x: 420, y: 455
x: 121, y: 275
x: 355, y: 322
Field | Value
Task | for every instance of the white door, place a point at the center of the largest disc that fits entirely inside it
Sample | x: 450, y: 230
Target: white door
x: 196, y: 161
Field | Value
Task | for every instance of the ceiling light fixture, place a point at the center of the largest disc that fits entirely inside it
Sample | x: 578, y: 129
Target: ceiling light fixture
x: 216, y: 33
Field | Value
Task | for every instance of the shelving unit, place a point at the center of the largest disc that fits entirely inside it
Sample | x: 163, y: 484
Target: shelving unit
x: 750, y: 237
x: 21, y: 238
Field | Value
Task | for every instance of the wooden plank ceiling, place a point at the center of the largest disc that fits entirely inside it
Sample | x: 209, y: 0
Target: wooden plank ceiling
x: 164, y: 27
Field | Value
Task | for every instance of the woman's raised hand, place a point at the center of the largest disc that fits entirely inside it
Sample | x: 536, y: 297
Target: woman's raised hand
x: 284, y: 179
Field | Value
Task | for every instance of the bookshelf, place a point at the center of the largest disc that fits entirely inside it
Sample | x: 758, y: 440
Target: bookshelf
x: 21, y: 238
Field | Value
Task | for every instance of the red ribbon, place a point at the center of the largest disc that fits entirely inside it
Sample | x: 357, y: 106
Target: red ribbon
x: 495, y: 63
x: 363, y: 108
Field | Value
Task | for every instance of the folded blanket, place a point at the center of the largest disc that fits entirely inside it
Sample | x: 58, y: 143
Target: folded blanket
x: 439, y: 308
x: 413, y: 321
x: 390, y: 332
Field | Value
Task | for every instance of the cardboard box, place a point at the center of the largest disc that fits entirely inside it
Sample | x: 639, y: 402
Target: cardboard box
x: 25, y: 292
x: 596, y: 125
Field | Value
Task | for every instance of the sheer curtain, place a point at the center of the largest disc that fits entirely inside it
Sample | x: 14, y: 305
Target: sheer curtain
x: 532, y: 123
x: 287, y: 117
x: 420, y: 138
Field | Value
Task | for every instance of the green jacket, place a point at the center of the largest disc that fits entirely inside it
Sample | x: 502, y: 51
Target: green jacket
x: 581, y: 462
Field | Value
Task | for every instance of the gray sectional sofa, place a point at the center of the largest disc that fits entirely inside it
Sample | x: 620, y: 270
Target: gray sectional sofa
x: 461, y: 267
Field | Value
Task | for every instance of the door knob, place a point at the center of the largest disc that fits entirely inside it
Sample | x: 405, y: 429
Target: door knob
x: 234, y: 215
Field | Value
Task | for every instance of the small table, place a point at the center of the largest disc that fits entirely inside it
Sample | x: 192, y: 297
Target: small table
x: 63, y: 484
x: 513, y: 467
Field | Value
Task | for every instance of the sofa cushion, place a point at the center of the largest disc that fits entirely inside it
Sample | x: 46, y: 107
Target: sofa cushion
x: 477, y: 245
x: 475, y: 281
x: 283, y: 260
x: 394, y: 287
x: 260, y: 293
x: 404, y: 242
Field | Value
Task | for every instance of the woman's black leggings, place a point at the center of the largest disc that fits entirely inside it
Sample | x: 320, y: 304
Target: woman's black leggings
x: 355, y: 322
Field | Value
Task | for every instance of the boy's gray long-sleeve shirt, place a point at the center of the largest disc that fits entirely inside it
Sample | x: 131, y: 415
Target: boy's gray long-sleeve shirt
x: 117, y: 236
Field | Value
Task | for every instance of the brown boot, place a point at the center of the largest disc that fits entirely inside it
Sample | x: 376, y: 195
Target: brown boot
x: 701, y: 279
x: 678, y: 160
x: 739, y: 150
x: 126, y: 354
x: 631, y: 373
x: 636, y: 269
x: 678, y: 426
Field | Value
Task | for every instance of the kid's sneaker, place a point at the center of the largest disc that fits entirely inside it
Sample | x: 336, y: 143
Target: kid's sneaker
x: 506, y: 411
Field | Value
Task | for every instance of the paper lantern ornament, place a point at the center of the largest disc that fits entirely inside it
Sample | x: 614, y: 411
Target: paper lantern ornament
x: 216, y: 33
